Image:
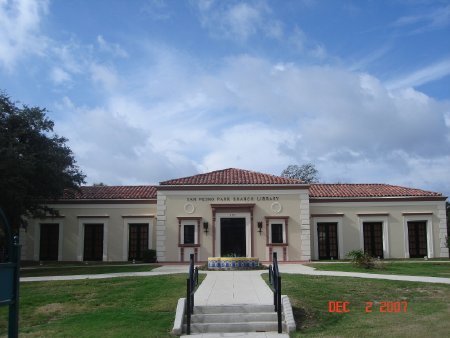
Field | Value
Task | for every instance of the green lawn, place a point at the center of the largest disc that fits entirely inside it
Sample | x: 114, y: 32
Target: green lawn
x: 427, y: 313
x: 145, y: 307
x: 84, y: 270
x: 116, y: 307
x: 433, y: 269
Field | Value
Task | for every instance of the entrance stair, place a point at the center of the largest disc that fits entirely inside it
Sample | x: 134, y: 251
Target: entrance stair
x: 234, y: 318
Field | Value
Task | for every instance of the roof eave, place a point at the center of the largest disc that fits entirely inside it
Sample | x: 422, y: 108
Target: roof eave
x: 102, y: 201
x: 376, y: 199
x: 230, y: 186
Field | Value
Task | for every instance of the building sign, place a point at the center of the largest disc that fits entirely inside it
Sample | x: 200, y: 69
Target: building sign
x: 211, y: 199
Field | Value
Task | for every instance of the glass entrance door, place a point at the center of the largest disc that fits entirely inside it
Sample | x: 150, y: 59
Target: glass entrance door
x: 48, y: 244
x: 417, y: 239
x: 138, y: 241
x: 232, y: 237
x: 93, y: 242
x: 373, y: 238
x: 327, y: 240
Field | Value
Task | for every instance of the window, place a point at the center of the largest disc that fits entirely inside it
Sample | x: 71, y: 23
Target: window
x: 277, y: 233
x: 189, y: 234
x: 277, y: 230
x: 189, y: 231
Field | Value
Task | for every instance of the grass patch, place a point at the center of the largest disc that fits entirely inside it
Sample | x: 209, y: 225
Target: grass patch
x: 427, y: 313
x: 432, y: 269
x: 84, y: 270
x: 116, y: 307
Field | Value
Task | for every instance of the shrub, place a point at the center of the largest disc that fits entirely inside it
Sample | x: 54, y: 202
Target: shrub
x: 149, y: 256
x: 361, y: 259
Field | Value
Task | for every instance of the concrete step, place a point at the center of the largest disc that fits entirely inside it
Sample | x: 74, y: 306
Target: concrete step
x: 233, y: 309
x: 271, y: 326
x: 234, y: 317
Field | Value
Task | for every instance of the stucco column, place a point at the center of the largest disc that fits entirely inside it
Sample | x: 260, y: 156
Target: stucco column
x: 305, y: 227
x: 161, y: 226
x: 443, y: 252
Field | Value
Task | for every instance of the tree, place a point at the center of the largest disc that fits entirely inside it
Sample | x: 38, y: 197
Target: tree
x: 305, y: 172
x: 36, y: 165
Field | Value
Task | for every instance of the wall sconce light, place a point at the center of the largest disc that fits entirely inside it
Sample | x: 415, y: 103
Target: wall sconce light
x: 205, y: 227
x: 260, y: 227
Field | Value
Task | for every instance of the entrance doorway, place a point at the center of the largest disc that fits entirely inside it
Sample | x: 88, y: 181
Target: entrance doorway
x: 417, y: 238
x: 138, y: 241
x: 93, y: 242
x: 49, y: 242
x: 373, y: 238
x: 327, y: 240
x: 232, y: 237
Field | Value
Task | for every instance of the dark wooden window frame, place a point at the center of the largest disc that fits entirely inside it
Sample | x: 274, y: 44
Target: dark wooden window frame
x: 277, y: 219
x: 181, y: 222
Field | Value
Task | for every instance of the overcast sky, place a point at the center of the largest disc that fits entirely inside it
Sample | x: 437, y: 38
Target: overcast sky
x: 151, y: 90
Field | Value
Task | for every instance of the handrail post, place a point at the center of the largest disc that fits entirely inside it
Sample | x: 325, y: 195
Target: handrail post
x: 280, y: 329
x: 188, y: 306
x: 13, y: 325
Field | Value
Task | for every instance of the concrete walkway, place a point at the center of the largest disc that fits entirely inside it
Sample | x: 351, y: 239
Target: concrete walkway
x: 307, y: 270
x: 234, y: 288
x: 238, y: 335
x: 163, y: 270
x: 284, y: 268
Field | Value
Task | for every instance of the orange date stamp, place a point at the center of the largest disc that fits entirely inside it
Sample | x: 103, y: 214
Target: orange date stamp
x: 335, y: 306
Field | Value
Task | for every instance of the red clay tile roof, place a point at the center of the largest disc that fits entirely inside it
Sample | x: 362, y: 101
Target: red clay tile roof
x: 366, y: 190
x: 111, y: 193
x: 231, y: 176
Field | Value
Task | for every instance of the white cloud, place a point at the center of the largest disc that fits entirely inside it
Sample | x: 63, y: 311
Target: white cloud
x: 59, y: 76
x: 419, y: 77
x: 177, y: 118
x: 110, y: 150
x: 305, y: 45
x: 104, y: 75
x: 239, y: 21
x: 250, y: 145
x: 20, y: 30
x: 113, y: 48
x: 437, y: 18
x: 157, y: 9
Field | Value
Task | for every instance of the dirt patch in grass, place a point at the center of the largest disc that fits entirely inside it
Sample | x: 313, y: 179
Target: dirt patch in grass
x: 51, y: 308
x: 59, y: 308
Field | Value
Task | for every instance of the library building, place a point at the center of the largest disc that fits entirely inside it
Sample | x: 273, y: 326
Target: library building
x: 239, y: 213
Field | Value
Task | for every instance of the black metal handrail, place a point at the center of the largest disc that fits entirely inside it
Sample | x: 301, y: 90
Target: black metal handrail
x: 275, y: 282
x: 191, y: 286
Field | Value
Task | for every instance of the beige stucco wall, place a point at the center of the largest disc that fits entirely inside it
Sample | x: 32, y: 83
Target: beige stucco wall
x: 114, y: 216
x: 173, y: 204
x: 302, y: 233
x: 398, y: 215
